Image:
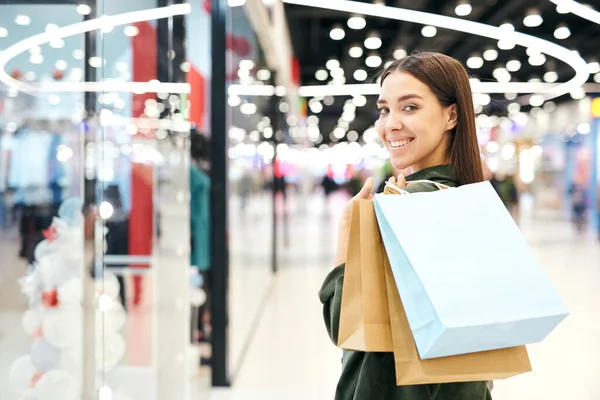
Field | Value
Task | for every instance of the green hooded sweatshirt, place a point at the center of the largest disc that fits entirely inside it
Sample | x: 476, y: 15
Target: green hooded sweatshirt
x: 372, y: 376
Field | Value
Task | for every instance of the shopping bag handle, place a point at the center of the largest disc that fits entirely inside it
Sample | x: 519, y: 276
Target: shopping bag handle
x: 440, y: 186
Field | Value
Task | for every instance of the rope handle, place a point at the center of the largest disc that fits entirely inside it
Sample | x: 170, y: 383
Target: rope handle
x: 395, y: 188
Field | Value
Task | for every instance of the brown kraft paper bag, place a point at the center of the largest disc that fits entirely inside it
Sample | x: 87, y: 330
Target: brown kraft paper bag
x: 411, y: 370
x: 364, y: 314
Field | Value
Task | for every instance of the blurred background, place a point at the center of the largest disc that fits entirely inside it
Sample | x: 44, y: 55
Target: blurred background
x: 171, y: 174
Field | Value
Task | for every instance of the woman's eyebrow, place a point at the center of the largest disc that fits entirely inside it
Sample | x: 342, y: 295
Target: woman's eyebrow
x: 401, y: 98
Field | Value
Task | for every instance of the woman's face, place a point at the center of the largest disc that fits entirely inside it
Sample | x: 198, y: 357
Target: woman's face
x: 413, y: 125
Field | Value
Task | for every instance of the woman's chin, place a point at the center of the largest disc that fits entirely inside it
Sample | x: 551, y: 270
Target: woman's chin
x: 399, y: 163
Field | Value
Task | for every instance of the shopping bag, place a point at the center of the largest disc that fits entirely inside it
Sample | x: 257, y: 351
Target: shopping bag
x: 364, y: 315
x: 467, y: 278
x: 411, y: 370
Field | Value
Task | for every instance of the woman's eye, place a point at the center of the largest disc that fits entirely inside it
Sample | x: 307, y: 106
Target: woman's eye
x: 410, y: 108
x: 383, y: 111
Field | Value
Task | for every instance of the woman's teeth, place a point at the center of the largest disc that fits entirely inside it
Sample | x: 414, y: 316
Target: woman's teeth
x: 400, y: 143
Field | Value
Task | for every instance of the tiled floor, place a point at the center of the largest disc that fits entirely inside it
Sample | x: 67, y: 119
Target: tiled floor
x: 290, y: 357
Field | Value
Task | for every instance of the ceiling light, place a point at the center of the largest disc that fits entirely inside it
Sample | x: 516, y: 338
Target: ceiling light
x: 507, y: 27
x: 30, y: 76
x: 532, y: 51
x: 537, y: 59
x: 373, y: 61
x: 355, y: 51
x: 337, y: 73
x: 36, y: 59
x: 247, y: 64
x: 264, y: 74
x: 78, y: 54
x: 321, y: 75
x: 510, y: 96
x: 535, y: 112
x: 360, y: 75
x: 463, y: 8
x: 429, y: 31
x: 533, y: 18
x: 502, y: 75
x: 534, y: 79
x: 562, y: 32
x: 536, y: 100
x: 316, y: 107
x: 564, y: 6
x: 597, y: 78
x: 54, y: 99
x: 84, y: 9
x: 95, y: 62
x: 51, y: 27
x: 513, y: 65
x: 482, y: 98
x: 594, y: 67
x: 131, y: 30
x: 549, y: 106
x: 400, y: 53
x: 550, y: 77
x: 357, y: 22
x: 248, y: 108
x: 490, y: 54
x: 234, y: 101
x: 578, y: 93
x: 513, y: 108
x: 475, y: 62
x: 57, y: 44
x: 3, y: 32
x: 387, y: 64
x: 332, y: 64
x: 359, y: 101
x: 505, y: 44
x: 337, y: 32
x: 584, y: 128
x: 373, y: 42
x: 22, y: 20
x: 61, y: 65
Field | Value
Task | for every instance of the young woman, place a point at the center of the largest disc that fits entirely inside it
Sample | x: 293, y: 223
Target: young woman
x: 427, y: 123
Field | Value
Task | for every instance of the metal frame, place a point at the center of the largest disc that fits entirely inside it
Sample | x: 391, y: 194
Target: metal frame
x: 219, y: 243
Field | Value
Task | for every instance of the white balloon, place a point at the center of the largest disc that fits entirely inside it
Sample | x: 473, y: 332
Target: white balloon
x: 70, y: 292
x: 44, y: 248
x: 21, y: 373
x: 197, y: 297
x: 63, y: 327
x: 29, y: 394
x: 44, y: 355
x: 56, y: 385
x: 109, y: 285
x: 31, y: 321
x: 110, y: 350
x: 111, y: 320
x: 71, y: 360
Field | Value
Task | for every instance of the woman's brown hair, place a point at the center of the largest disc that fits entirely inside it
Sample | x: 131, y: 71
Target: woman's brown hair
x: 449, y: 81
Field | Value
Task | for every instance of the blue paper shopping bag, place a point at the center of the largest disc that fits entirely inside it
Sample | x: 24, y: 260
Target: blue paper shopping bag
x: 467, y: 278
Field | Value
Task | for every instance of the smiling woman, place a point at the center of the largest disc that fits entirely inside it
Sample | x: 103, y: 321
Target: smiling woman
x: 427, y: 123
x: 426, y: 115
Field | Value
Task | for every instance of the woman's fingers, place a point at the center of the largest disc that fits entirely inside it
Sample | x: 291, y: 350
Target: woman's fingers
x: 365, y: 192
x: 401, y: 181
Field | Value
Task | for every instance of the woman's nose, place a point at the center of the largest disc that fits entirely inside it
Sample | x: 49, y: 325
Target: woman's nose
x: 393, y: 123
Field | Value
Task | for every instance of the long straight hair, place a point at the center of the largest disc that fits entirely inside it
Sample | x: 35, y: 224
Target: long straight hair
x: 449, y: 81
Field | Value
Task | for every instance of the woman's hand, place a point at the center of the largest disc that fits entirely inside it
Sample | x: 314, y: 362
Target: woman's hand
x: 344, y: 221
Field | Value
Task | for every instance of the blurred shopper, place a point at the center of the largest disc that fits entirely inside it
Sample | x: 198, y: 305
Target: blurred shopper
x: 427, y: 123
x: 579, y: 206
x: 200, y: 226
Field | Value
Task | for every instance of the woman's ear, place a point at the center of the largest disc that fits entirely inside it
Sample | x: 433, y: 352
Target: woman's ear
x: 451, y: 117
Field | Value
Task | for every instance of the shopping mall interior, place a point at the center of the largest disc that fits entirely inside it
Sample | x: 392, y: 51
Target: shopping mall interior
x: 172, y: 173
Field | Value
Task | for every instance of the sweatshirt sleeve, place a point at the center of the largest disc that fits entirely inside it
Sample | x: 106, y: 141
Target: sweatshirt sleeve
x: 331, y: 298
